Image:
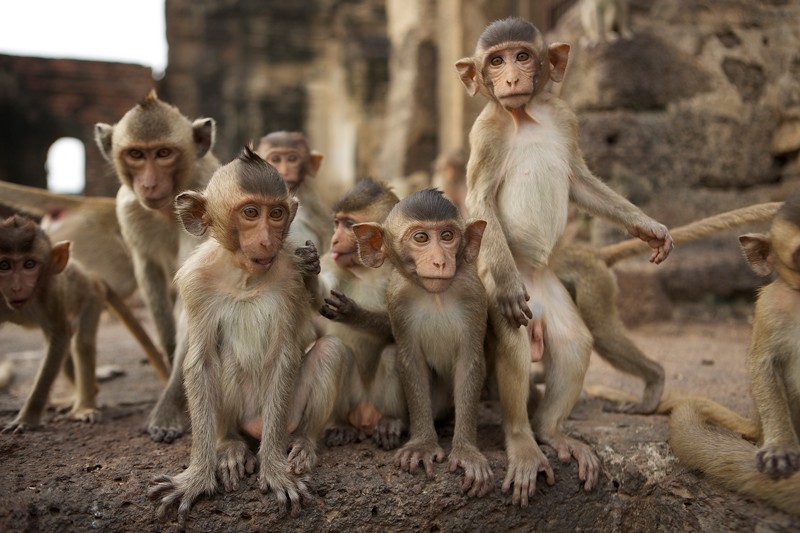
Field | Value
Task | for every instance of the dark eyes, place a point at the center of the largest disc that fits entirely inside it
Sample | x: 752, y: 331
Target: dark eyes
x: 447, y: 235
x: 164, y: 152
x: 276, y: 213
x: 292, y: 158
x: 5, y: 265
x: 275, y: 159
x: 250, y: 211
x: 497, y: 61
x: 421, y: 237
x: 135, y: 154
x: 523, y: 56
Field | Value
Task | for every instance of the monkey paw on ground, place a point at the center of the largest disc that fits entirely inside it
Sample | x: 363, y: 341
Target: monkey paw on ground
x: 181, y: 490
x: 302, y: 456
x: 339, y: 436
x: 478, y: 477
x: 309, y: 259
x: 234, y: 461
x: 778, y: 462
x: 413, y: 453
x: 388, y: 432
x: 90, y: 415
x: 19, y: 425
x: 290, y: 491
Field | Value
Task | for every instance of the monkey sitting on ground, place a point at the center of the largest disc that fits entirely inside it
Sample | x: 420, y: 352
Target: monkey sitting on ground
x: 42, y: 287
x: 525, y: 166
x: 289, y: 152
x: 437, y: 308
x: 770, y: 470
x: 249, y: 324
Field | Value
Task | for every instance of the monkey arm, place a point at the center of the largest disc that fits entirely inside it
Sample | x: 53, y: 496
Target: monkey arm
x: 597, y: 198
x: 342, y: 309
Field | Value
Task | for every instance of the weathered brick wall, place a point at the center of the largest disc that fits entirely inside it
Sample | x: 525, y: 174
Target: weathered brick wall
x: 42, y: 100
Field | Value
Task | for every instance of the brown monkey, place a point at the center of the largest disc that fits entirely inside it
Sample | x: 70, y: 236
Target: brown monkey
x: 524, y: 167
x: 158, y: 153
x: 438, y: 311
x: 248, y: 327
x: 42, y: 287
x: 289, y: 152
x: 371, y: 403
x: 770, y: 470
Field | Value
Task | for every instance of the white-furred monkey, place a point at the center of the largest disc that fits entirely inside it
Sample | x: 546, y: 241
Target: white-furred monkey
x: 249, y: 324
x: 289, y: 152
x: 438, y: 311
x: 525, y: 166
x: 770, y: 470
x: 371, y: 403
x: 42, y: 287
x: 158, y: 153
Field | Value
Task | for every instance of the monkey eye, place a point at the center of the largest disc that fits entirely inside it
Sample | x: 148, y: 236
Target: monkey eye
x: 29, y: 264
x: 496, y: 61
x: 276, y: 213
x: 5, y: 264
x: 135, y: 154
x: 523, y: 56
x: 447, y: 235
x: 164, y: 152
x: 250, y: 211
x: 421, y: 237
x: 275, y: 158
x: 292, y: 158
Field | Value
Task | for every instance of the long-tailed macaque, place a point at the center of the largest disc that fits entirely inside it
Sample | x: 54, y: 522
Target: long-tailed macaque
x: 438, y: 312
x: 158, y: 153
x: 42, y: 287
x: 289, y: 152
x: 525, y: 166
x: 768, y: 471
x: 249, y: 324
x: 371, y: 403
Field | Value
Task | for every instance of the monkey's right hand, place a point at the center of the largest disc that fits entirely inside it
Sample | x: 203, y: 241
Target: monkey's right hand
x: 512, y: 299
x: 181, y: 490
x: 338, y: 306
x: 309, y: 259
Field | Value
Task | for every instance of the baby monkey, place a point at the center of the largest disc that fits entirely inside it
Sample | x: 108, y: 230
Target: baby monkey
x: 438, y: 312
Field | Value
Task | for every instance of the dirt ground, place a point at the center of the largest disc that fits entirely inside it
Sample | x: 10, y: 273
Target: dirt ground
x: 74, y: 477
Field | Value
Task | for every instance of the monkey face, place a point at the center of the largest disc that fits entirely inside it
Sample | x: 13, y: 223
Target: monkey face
x: 260, y: 225
x: 433, y: 250
x: 19, y: 275
x: 290, y: 162
x: 344, y: 249
x: 151, y: 170
x: 510, y: 71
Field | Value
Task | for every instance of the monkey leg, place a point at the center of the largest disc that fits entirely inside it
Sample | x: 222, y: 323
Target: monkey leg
x: 84, y: 357
x: 154, y: 287
x: 508, y: 352
x: 387, y: 394
x: 568, y: 345
x: 166, y: 421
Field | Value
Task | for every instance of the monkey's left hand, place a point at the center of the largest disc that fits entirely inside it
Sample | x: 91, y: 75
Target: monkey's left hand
x: 338, y: 306
x: 656, y: 236
x: 309, y: 259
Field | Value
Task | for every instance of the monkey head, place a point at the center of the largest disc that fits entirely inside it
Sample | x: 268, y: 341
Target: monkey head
x: 512, y: 63
x: 288, y: 151
x: 154, y: 148
x: 247, y: 207
x: 369, y: 200
x: 26, y: 259
x: 779, y: 250
x: 424, y: 238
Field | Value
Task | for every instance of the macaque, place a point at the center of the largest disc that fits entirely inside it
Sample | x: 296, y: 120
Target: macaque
x: 42, y: 288
x: 158, y: 153
x: 289, y: 152
x: 249, y: 324
x: 371, y: 402
x: 768, y: 470
x: 605, y: 20
x: 438, y: 312
x: 525, y: 166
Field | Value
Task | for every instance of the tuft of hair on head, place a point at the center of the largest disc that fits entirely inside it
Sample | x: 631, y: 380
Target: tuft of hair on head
x: 150, y: 100
x: 18, y: 234
x: 364, y: 194
x: 428, y: 204
x: 509, y: 29
x: 256, y: 176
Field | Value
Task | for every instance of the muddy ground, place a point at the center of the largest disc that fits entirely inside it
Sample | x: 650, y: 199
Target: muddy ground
x: 75, y: 477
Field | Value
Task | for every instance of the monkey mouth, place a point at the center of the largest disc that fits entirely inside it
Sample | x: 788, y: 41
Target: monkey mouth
x: 265, y: 263
x: 158, y: 203
x: 435, y: 285
x: 16, y: 304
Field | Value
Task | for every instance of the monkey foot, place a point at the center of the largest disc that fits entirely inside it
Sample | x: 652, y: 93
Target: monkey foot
x: 20, y: 425
x: 413, y: 453
x: 290, y: 491
x: 778, y: 462
x: 181, y: 491
x: 567, y: 448
x: 525, y: 461
x: 89, y: 415
x: 302, y: 456
x: 339, y: 436
x: 388, y: 432
x: 234, y: 461
x: 478, y: 477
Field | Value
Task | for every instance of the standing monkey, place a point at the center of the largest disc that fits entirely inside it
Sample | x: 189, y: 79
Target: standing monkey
x: 157, y: 154
x: 525, y: 166
x: 768, y: 471
x: 289, y: 152
x: 42, y: 287
x: 437, y: 307
x: 248, y: 327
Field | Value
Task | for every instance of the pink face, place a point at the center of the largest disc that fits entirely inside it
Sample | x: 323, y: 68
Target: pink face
x: 289, y: 162
x: 511, y: 71
x: 18, y: 277
x: 152, y: 172
x: 344, y: 249
x: 260, y: 226
x: 433, y: 248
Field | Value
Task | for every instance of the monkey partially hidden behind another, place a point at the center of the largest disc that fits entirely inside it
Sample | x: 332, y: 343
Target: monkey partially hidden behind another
x: 768, y: 471
x: 246, y: 292
x: 438, y: 311
x: 42, y: 287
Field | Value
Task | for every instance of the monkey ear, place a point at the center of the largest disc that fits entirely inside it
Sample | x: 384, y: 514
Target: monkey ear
x: 203, y: 131
x: 314, y: 162
x: 102, y: 137
x: 59, y: 257
x: 468, y: 73
x: 756, y: 248
x: 369, y: 237
x: 191, y: 209
x: 558, y: 60
x: 473, y: 236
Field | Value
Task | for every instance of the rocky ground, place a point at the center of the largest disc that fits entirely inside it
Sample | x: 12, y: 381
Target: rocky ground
x: 74, y: 477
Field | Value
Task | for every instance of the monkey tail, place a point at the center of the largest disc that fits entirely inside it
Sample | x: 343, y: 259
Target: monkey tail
x: 729, y: 460
x: 693, y: 231
x: 154, y: 355
x: 33, y: 200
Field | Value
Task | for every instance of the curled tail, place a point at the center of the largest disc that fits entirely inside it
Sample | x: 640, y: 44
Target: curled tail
x: 727, y: 459
x: 693, y: 231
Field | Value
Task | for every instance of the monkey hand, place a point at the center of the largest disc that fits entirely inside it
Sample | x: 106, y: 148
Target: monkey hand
x: 290, y: 491
x: 309, y: 259
x: 302, y: 455
x: 656, y: 236
x: 512, y: 300
x: 478, y: 477
x: 525, y: 461
x: 234, y: 460
x: 181, y: 490
x: 778, y: 462
x: 413, y: 453
x: 387, y: 433
x: 338, y: 307
x: 567, y: 448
